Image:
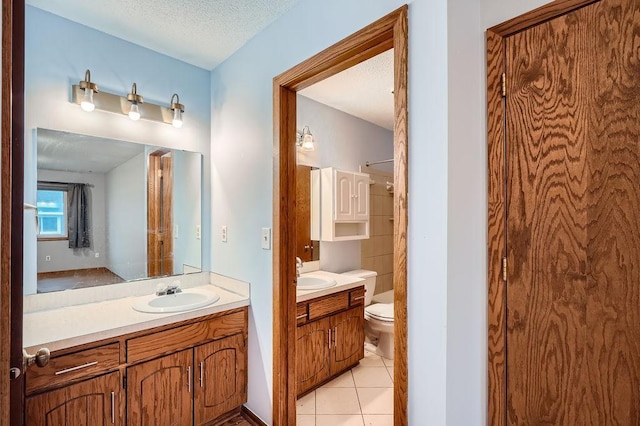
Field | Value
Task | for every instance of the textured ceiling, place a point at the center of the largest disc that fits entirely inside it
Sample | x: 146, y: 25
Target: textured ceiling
x: 84, y: 154
x: 364, y: 90
x: 200, y: 32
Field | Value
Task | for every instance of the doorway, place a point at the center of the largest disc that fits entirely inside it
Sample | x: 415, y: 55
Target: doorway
x: 388, y: 32
x: 564, y: 238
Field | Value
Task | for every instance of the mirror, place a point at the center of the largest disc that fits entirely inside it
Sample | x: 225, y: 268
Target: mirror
x: 110, y: 211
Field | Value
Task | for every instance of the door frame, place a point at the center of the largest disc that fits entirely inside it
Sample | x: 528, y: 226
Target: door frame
x: 391, y: 31
x: 496, y: 200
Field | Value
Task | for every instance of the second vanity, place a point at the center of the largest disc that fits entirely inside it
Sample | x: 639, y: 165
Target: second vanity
x: 330, y: 329
x: 113, y: 365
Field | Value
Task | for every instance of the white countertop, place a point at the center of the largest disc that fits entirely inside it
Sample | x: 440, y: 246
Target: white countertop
x: 343, y: 282
x: 74, y: 325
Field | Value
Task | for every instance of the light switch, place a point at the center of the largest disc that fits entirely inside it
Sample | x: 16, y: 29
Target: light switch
x: 266, y: 238
x: 197, y: 232
x: 223, y: 233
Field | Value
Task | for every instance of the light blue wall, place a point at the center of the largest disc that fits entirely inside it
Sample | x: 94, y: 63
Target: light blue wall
x: 242, y: 181
x: 57, y: 53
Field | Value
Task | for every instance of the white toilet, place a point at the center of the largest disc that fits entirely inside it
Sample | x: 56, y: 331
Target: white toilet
x: 379, y: 315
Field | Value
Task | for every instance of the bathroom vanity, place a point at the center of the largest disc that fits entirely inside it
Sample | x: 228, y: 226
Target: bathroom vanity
x: 189, y: 367
x: 330, y: 330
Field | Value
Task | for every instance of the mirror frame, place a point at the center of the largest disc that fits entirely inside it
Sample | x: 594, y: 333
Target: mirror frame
x: 391, y: 31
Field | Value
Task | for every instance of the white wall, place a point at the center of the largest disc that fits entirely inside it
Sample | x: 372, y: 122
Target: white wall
x: 346, y: 143
x: 187, y: 210
x: 127, y: 218
x: 62, y: 257
x: 57, y: 53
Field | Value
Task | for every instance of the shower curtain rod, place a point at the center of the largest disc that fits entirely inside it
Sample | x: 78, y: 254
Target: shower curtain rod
x: 370, y: 163
x: 90, y: 185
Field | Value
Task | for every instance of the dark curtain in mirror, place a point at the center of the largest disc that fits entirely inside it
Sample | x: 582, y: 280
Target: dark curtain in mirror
x: 78, y: 216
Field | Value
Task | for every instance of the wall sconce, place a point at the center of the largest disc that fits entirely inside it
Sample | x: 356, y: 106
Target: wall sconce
x: 88, y: 88
x: 177, y: 109
x: 86, y: 95
x: 304, y: 139
x: 135, y: 99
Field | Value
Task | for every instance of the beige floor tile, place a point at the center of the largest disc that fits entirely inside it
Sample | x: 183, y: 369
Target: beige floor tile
x: 305, y: 419
x: 376, y: 400
x: 339, y: 420
x: 371, y: 360
x: 378, y: 420
x: 390, y: 370
x: 388, y: 362
x: 372, y: 377
x: 337, y: 401
x: 345, y: 380
x: 307, y: 404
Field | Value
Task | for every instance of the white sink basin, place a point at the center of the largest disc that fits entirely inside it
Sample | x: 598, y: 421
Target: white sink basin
x: 192, y: 298
x: 314, y: 283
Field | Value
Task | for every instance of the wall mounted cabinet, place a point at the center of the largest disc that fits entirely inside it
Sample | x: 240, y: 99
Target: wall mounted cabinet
x: 343, y: 203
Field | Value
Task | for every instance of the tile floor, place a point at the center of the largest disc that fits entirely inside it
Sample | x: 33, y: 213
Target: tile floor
x: 361, y: 396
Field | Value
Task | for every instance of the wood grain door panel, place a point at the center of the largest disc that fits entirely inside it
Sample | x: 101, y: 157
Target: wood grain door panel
x: 159, y: 391
x: 312, y: 354
x: 303, y: 213
x: 87, y: 403
x: 573, y: 232
x: 221, y: 385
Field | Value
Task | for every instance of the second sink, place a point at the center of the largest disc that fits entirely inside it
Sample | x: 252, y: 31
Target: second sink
x: 314, y: 282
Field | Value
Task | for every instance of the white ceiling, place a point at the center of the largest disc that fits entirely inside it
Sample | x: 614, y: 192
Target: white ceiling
x: 206, y: 32
x: 84, y: 154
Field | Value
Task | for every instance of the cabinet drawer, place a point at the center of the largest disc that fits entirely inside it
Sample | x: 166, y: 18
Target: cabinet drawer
x: 328, y: 305
x: 179, y: 338
x: 302, y: 313
x: 68, y: 368
x: 356, y: 296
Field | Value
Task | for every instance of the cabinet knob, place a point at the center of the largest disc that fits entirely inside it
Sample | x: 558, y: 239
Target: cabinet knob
x: 40, y: 358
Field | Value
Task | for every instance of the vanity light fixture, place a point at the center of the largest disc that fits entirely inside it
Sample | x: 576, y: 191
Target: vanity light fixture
x: 135, y: 99
x: 86, y: 95
x: 177, y: 109
x: 304, y: 139
x: 88, y: 88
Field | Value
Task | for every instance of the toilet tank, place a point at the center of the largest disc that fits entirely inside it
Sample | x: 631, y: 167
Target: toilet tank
x: 369, y: 282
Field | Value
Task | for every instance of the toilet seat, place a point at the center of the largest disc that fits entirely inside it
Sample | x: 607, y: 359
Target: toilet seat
x: 380, y: 312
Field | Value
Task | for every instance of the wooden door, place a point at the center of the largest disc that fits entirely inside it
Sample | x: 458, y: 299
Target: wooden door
x: 573, y: 225
x: 159, y: 391
x: 93, y: 402
x: 343, y: 192
x: 222, y: 382
x: 348, y: 339
x: 160, y: 214
x: 304, y: 245
x: 313, y: 343
x: 361, y: 196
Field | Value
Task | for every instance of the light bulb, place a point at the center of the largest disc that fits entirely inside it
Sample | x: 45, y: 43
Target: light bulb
x: 307, y: 142
x: 87, y: 100
x: 177, y: 118
x: 134, y: 112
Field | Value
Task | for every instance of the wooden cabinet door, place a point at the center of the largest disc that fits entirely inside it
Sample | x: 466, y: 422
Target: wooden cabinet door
x: 344, y: 194
x: 159, y: 391
x: 348, y: 339
x: 93, y: 402
x: 361, y: 196
x: 312, y: 354
x: 221, y: 385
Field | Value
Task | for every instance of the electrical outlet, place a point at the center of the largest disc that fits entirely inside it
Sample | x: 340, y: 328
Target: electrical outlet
x: 197, y: 232
x: 223, y: 233
x: 47, y: 258
x: 266, y: 238
x: 97, y: 255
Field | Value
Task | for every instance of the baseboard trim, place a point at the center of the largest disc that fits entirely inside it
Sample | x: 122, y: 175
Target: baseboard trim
x: 251, y: 417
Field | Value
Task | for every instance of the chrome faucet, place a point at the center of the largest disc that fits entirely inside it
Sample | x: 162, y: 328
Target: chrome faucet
x: 168, y: 289
x: 299, y: 264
